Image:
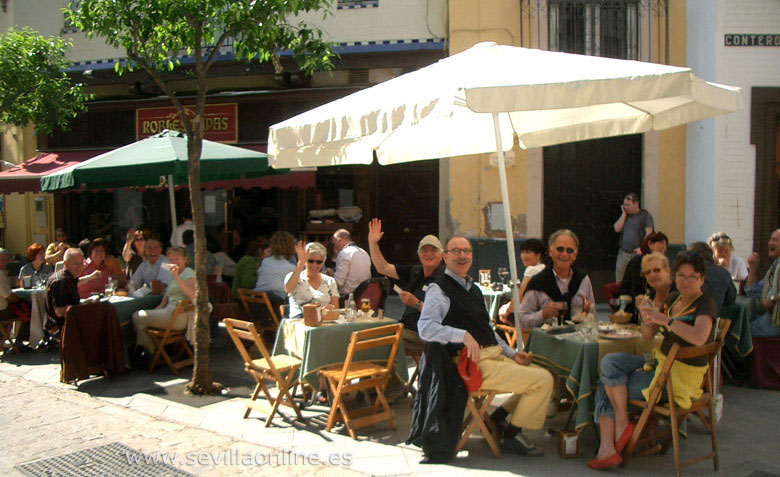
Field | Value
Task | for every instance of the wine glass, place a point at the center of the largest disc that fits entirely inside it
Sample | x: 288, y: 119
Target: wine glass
x: 503, y: 273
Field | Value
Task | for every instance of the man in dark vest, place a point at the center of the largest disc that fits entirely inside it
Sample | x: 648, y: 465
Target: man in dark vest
x: 557, y: 289
x: 454, y: 313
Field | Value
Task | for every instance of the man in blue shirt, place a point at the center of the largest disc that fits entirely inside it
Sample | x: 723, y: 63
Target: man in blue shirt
x: 454, y: 313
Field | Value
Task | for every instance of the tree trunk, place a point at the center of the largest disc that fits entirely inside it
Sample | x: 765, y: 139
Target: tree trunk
x: 201, y: 374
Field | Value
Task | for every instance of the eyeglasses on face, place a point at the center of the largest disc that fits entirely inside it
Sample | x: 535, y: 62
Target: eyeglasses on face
x: 687, y: 278
x: 459, y: 251
x: 311, y: 260
x: 568, y: 250
x: 649, y: 271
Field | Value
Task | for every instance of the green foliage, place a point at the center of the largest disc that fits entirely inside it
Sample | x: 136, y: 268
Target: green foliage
x: 33, y: 84
x: 155, y: 32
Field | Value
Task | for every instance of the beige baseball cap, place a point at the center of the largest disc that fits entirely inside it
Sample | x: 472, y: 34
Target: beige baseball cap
x: 430, y: 240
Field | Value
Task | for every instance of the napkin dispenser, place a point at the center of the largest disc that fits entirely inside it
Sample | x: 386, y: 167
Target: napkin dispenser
x: 311, y: 315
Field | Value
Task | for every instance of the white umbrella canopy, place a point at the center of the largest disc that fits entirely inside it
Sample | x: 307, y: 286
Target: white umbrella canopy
x: 547, y: 97
x: 478, y: 101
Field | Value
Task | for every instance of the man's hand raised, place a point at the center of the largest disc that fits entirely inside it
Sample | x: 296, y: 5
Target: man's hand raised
x: 472, y: 347
x: 375, y: 231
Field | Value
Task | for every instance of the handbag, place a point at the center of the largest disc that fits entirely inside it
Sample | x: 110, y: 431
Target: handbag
x: 469, y: 371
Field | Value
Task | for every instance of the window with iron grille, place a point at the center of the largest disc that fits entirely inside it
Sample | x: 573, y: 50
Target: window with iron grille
x: 608, y: 28
x: 348, y: 4
x: 74, y: 6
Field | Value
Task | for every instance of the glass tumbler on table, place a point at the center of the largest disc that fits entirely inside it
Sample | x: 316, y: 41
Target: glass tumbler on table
x: 365, y: 305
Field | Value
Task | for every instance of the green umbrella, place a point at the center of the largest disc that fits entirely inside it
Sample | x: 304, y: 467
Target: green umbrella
x: 157, y: 160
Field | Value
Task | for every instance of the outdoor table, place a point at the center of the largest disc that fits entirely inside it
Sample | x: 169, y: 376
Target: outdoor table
x: 125, y: 306
x: 493, y: 299
x: 577, y: 359
x: 740, y: 312
x: 325, y: 345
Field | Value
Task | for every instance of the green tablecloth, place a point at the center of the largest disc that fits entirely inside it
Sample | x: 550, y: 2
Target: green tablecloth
x: 577, y: 359
x: 327, y: 345
x: 740, y: 312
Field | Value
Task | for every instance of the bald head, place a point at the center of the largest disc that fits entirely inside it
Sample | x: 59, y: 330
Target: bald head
x: 74, y: 261
x: 341, y: 238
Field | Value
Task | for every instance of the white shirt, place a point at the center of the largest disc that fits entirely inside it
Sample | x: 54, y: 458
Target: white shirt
x: 178, y: 231
x: 530, y: 311
x: 738, y: 269
x: 353, y: 267
x: 533, y: 270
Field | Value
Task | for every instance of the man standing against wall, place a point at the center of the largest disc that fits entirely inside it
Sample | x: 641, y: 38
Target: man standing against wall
x: 632, y: 225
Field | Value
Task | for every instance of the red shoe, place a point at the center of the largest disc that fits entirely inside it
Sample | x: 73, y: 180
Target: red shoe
x: 622, y: 441
x: 611, y: 461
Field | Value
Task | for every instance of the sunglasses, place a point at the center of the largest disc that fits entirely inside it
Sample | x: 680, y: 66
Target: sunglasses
x: 648, y: 272
x: 311, y: 260
x: 568, y: 250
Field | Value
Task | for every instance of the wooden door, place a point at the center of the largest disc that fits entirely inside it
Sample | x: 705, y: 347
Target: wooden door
x: 584, y: 186
x: 406, y: 198
x: 765, y: 134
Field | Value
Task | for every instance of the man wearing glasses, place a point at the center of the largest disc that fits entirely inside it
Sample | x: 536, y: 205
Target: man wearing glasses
x: 558, y: 289
x: 632, y: 225
x: 454, y: 313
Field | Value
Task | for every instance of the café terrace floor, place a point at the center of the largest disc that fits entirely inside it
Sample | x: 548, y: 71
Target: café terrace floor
x: 748, y: 434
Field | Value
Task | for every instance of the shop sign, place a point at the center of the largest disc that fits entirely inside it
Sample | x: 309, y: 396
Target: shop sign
x: 221, y: 121
x: 752, y: 39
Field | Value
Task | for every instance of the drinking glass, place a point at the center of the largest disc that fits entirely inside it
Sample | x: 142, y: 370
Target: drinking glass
x: 503, y: 273
x: 562, y: 312
x: 365, y: 305
x: 484, y: 278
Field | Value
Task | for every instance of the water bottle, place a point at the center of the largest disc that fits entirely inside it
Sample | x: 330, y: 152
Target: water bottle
x: 351, y: 308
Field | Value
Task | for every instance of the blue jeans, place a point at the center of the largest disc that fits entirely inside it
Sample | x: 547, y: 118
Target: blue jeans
x: 620, y: 369
x: 761, y: 325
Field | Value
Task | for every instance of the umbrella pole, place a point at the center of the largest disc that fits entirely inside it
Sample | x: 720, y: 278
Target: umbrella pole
x: 510, y: 242
x: 172, y: 200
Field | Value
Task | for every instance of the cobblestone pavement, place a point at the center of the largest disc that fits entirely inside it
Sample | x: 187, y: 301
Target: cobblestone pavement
x: 38, y: 422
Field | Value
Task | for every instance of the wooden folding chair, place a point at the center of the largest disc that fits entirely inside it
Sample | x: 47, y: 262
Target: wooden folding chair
x: 655, y: 441
x: 261, y: 298
x: 268, y: 367
x: 478, y: 403
x: 341, y: 379
x: 6, y: 330
x: 167, y: 336
x: 509, y: 332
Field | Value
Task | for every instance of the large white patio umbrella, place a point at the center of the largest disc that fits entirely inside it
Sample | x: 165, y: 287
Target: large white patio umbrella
x: 480, y: 100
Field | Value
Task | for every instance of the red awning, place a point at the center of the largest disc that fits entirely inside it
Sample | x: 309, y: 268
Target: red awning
x: 26, y: 177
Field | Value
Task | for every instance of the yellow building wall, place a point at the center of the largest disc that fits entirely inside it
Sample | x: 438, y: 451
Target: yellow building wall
x: 18, y: 145
x: 671, y: 152
x: 470, y: 183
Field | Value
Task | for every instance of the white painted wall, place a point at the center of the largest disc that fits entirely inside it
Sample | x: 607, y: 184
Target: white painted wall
x: 390, y: 20
x: 720, y: 178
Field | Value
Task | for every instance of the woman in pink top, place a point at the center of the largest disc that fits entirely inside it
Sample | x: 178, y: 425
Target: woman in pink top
x: 96, y: 266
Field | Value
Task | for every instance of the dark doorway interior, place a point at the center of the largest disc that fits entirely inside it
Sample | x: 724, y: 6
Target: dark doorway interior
x: 584, y: 186
x: 765, y: 135
x: 407, y: 201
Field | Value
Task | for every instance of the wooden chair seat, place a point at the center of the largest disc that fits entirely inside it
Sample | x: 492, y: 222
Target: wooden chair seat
x: 647, y: 439
x: 162, y: 337
x: 477, y: 404
x: 280, y: 369
x: 281, y: 362
x: 367, y: 375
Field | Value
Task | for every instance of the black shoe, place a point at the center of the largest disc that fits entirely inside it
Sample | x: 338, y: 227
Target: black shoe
x: 501, y: 426
x: 519, y: 445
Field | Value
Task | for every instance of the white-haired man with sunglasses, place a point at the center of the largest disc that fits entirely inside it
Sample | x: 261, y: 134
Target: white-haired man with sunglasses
x: 558, y: 289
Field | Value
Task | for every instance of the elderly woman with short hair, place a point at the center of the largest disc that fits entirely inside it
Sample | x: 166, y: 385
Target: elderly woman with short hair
x: 311, y: 286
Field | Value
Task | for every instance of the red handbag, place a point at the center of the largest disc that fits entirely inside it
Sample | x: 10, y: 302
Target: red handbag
x: 469, y: 371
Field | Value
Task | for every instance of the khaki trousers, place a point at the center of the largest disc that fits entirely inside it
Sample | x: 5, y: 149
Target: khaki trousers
x: 156, y: 318
x: 531, y: 387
